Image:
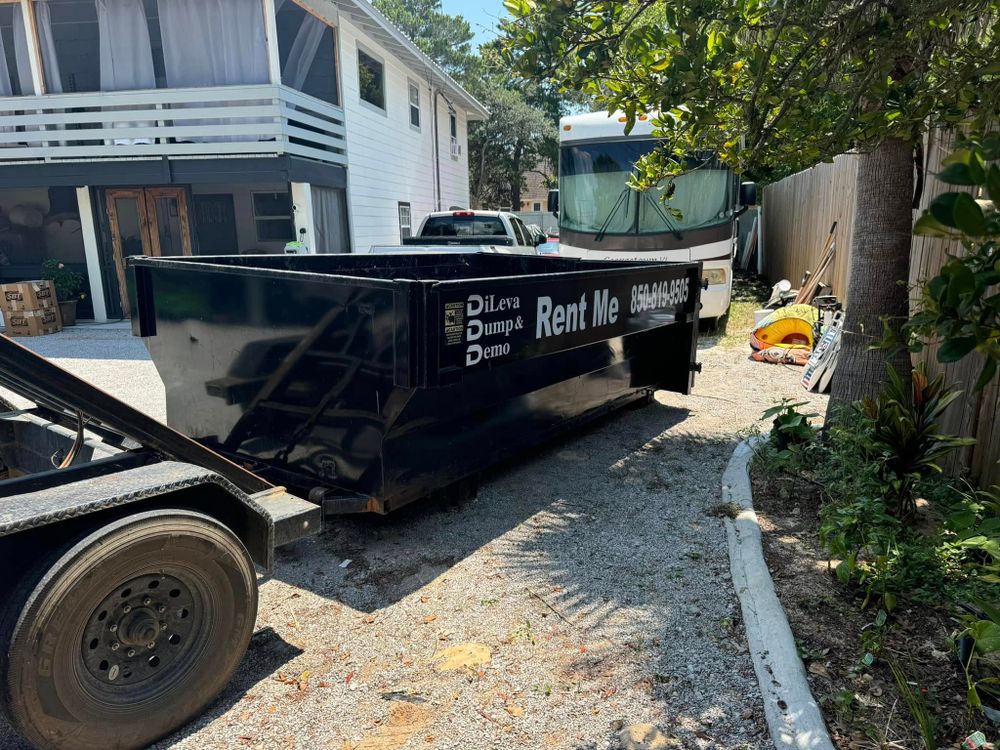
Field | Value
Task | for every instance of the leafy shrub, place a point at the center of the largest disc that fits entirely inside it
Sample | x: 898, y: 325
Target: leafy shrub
x: 981, y: 659
x: 906, y: 443
x: 790, y: 427
x: 69, y: 284
x: 873, y: 464
x: 959, y: 308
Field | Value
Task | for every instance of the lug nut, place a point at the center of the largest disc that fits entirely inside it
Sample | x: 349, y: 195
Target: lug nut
x: 115, y: 646
x: 161, y: 609
x: 147, y: 601
x: 113, y: 628
x: 131, y: 652
x: 151, y: 645
x: 127, y: 608
x: 163, y: 626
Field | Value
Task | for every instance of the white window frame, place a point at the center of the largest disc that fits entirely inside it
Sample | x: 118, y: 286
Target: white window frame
x: 456, y: 148
x: 412, y: 86
x: 361, y: 48
x: 400, y: 206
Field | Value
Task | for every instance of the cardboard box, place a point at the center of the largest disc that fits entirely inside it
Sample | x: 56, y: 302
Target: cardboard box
x: 33, y: 322
x: 25, y: 296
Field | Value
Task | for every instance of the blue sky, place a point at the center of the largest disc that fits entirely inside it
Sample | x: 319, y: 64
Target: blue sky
x: 482, y: 15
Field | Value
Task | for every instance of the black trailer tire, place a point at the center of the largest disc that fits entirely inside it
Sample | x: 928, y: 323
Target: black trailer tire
x: 129, y: 634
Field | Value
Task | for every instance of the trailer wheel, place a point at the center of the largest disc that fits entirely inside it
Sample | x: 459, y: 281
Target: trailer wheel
x: 129, y: 634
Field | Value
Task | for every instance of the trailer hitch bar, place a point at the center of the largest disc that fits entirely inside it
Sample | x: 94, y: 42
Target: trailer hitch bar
x: 46, y: 384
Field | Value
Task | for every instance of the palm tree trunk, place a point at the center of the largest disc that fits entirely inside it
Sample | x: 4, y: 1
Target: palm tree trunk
x: 880, y: 268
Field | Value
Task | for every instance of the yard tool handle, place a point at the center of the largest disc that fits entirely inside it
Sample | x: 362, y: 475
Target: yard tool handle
x: 36, y: 378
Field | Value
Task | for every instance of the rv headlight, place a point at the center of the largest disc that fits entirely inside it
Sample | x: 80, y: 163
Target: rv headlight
x: 714, y: 276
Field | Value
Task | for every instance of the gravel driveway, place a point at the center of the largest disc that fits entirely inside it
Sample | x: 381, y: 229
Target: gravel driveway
x: 586, y: 588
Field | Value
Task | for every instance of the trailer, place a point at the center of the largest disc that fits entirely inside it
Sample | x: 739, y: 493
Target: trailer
x: 298, y: 388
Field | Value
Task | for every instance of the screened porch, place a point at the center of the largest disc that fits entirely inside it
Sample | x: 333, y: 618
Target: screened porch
x: 97, y: 79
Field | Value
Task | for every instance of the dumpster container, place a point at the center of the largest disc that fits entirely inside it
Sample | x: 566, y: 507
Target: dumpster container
x: 367, y: 382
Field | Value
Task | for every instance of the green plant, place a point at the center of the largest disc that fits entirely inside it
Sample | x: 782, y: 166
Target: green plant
x: 916, y: 702
x: 959, y: 307
x: 790, y: 427
x: 979, y: 654
x: 906, y: 442
x: 69, y: 284
x: 852, y: 529
x: 975, y: 523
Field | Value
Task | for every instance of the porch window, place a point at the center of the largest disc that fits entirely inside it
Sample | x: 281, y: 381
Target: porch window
x: 273, y: 214
x: 308, y: 50
x: 95, y: 45
x: 213, y: 42
x: 15, y: 70
x: 128, y: 45
x: 371, y: 80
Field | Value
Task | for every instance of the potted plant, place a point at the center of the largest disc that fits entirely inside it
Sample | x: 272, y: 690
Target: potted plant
x: 69, y: 286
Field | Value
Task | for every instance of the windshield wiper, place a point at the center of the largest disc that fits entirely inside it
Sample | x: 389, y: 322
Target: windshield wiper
x: 670, y: 225
x: 607, y: 222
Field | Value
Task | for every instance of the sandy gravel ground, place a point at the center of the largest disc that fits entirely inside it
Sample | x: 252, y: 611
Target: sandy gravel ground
x: 586, y: 588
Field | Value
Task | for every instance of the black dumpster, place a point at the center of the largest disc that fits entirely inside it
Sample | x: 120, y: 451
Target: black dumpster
x: 371, y: 381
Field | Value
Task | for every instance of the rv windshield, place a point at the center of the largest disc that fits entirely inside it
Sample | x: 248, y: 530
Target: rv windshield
x: 593, y: 193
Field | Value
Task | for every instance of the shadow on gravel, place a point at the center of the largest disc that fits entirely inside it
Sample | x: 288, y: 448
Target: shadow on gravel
x: 267, y: 653
x: 393, y: 556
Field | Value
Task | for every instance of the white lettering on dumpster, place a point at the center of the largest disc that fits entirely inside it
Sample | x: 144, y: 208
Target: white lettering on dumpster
x: 476, y: 353
x: 485, y: 324
x: 555, y: 320
x: 605, y: 308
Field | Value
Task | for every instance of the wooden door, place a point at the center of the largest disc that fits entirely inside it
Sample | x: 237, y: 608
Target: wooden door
x: 150, y: 221
x: 169, y: 223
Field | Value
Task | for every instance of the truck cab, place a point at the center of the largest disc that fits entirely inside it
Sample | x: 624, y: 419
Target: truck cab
x: 469, y: 231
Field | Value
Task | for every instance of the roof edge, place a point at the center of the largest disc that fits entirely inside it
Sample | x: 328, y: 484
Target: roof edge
x: 474, y: 106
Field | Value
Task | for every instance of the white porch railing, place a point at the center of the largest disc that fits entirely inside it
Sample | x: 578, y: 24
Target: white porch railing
x: 263, y: 120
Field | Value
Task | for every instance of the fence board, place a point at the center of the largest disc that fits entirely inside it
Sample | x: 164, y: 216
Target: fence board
x: 798, y: 212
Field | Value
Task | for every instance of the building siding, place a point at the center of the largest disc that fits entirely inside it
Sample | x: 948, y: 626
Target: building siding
x: 389, y: 161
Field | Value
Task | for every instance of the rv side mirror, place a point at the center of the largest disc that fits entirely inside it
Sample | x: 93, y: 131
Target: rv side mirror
x: 554, y: 202
x: 748, y: 194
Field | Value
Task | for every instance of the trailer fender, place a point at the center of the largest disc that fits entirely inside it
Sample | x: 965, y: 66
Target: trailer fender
x: 66, y: 509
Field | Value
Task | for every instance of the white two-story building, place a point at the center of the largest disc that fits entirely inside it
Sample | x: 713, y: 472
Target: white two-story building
x: 169, y: 127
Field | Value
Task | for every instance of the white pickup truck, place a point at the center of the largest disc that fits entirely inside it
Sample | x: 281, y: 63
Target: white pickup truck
x: 469, y: 231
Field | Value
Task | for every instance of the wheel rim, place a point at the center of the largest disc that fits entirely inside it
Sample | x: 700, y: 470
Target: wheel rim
x: 143, y: 636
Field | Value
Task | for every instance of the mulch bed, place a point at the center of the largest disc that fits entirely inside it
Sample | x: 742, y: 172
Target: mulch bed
x: 861, y: 704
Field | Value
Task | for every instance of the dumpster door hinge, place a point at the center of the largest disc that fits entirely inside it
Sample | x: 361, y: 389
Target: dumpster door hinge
x: 695, y: 366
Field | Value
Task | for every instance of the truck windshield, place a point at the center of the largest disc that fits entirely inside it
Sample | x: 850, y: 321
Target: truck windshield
x: 463, y: 226
x: 594, y: 194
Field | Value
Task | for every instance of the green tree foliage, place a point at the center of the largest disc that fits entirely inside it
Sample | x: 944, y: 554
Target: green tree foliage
x: 446, y: 39
x: 504, y: 148
x: 960, y: 307
x: 775, y: 86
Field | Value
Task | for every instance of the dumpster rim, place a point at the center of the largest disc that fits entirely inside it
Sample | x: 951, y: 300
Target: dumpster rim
x: 182, y: 262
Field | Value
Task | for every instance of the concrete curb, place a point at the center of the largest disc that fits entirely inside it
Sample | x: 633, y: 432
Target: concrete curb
x: 794, y: 719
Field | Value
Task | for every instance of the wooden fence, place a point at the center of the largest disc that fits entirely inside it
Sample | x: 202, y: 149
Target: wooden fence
x: 798, y: 213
